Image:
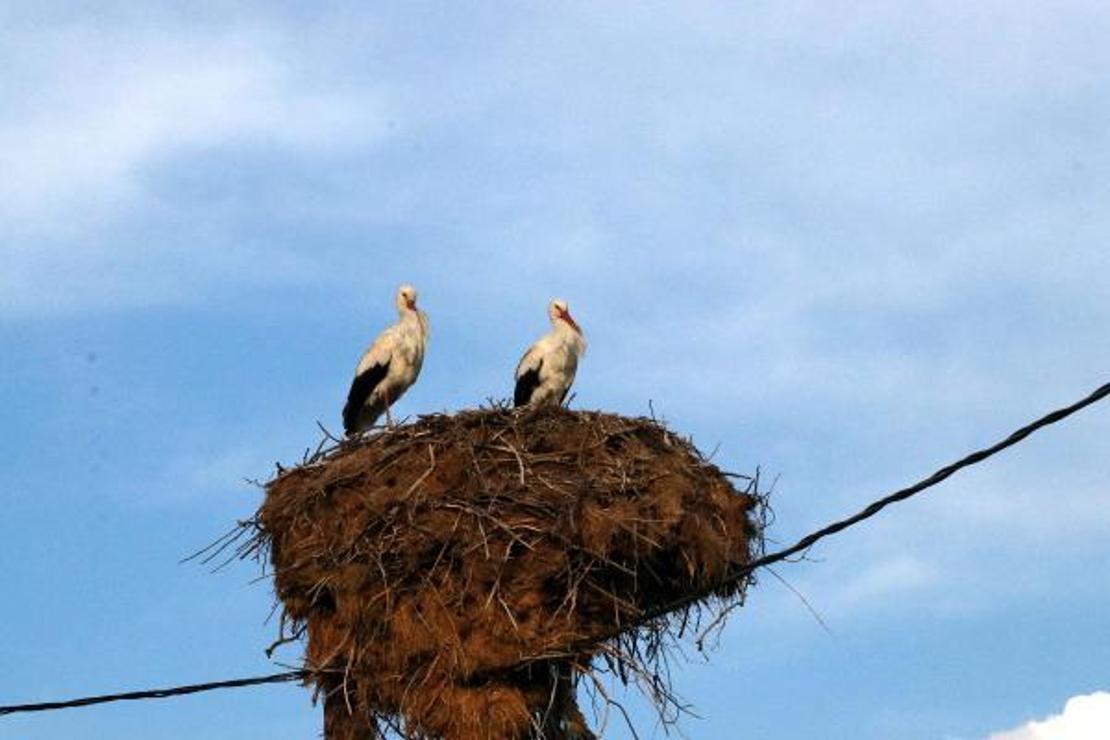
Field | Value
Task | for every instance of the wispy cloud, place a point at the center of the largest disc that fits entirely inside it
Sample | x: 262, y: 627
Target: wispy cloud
x: 101, y: 107
x: 191, y: 477
x: 100, y: 111
x: 884, y: 582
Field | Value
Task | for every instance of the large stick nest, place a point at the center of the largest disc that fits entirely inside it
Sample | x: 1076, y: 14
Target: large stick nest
x: 457, y: 576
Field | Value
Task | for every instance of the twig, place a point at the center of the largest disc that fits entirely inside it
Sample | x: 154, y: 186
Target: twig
x: 327, y: 434
x: 802, y: 598
x: 431, y: 469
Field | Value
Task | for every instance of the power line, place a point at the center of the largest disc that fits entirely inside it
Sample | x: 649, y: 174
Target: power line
x: 734, y: 577
x: 195, y: 688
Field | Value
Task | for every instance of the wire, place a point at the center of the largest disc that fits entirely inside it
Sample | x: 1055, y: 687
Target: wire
x: 195, y: 688
x: 647, y: 616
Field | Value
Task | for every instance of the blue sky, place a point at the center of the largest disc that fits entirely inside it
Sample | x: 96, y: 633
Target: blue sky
x: 846, y: 242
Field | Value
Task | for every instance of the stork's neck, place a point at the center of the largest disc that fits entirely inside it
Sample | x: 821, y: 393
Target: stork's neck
x: 565, y: 333
x: 414, y: 318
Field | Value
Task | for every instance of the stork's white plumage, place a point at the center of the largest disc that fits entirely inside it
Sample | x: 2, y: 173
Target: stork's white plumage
x: 545, y: 373
x: 389, y: 367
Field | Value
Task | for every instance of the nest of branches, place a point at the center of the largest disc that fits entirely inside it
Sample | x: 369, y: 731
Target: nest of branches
x: 458, y: 577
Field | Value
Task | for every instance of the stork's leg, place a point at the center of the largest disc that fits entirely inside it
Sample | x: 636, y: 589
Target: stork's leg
x: 388, y: 416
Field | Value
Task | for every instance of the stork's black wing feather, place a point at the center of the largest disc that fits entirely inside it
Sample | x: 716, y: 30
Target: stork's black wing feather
x: 526, y: 385
x: 361, y: 388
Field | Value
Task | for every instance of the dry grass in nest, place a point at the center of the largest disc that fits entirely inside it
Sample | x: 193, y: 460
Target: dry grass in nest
x: 457, y: 577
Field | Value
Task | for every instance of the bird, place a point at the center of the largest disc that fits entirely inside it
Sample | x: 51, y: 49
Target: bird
x: 389, y: 367
x: 546, y: 371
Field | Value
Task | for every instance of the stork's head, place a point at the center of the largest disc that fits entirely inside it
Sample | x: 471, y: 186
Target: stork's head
x: 406, y: 298
x: 559, y: 313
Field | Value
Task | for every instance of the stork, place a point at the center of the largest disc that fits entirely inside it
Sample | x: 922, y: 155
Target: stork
x: 389, y: 367
x: 546, y: 371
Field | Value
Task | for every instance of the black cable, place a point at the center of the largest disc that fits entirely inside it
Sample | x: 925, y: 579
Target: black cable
x: 154, y: 693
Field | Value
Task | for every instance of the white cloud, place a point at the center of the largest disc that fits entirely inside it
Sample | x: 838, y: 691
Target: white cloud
x: 98, y: 107
x: 1084, y: 718
x: 93, y: 113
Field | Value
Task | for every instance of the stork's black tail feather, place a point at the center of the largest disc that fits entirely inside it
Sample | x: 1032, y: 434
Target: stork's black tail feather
x: 361, y: 388
x: 526, y: 385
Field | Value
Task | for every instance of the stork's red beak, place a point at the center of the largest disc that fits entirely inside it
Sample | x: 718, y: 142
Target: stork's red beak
x: 565, y: 316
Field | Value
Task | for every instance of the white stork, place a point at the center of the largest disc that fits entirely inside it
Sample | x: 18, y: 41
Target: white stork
x: 547, y: 369
x: 389, y: 367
